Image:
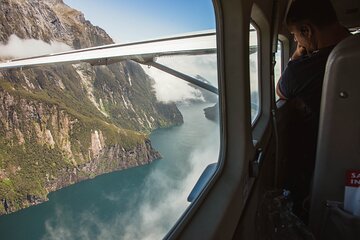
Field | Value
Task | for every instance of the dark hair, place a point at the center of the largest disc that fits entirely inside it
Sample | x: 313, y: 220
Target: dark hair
x: 318, y: 12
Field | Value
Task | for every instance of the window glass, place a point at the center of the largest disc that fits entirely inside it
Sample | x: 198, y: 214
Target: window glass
x: 109, y: 151
x: 254, y: 72
x: 278, y: 65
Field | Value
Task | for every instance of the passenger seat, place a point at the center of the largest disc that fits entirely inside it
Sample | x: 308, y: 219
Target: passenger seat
x: 338, y: 148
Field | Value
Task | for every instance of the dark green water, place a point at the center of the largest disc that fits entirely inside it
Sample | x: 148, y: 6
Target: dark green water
x: 137, y: 203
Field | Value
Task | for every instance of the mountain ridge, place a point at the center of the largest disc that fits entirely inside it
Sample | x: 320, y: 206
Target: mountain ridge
x: 63, y: 124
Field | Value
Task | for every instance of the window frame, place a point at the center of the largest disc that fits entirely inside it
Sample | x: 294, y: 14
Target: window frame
x: 231, y: 185
x: 260, y: 127
x: 285, y: 56
x: 234, y: 111
x: 281, y: 53
x: 258, y: 52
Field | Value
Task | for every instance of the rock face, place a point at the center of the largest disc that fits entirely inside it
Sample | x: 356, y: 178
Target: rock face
x: 63, y: 124
x: 212, y: 113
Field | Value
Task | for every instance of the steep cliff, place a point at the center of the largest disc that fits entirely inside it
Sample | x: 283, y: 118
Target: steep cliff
x: 62, y: 124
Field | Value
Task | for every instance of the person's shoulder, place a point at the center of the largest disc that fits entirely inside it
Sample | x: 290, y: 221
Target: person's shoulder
x: 326, y: 51
x: 298, y: 64
x: 300, y: 60
x: 315, y: 60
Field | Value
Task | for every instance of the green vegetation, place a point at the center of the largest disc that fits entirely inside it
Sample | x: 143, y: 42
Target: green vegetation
x: 28, y: 167
x: 55, y: 99
x: 31, y: 165
x: 79, y: 108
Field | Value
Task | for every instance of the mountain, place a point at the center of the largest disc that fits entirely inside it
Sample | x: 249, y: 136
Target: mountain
x: 63, y: 124
x: 208, y: 96
x: 212, y: 113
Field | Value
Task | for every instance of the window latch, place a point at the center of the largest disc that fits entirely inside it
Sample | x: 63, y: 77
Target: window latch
x: 256, y: 163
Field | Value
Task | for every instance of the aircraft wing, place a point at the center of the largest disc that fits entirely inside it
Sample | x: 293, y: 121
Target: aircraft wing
x: 144, y: 52
x: 196, y: 44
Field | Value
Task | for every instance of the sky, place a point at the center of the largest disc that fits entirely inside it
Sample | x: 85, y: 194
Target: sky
x: 135, y: 20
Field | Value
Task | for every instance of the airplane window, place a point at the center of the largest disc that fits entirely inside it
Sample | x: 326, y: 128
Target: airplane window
x: 278, y: 65
x: 104, y: 143
x: 254, y: 72
x: 355, y: 31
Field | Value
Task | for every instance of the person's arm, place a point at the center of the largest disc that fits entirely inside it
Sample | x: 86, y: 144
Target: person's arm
x: 299, y: 52
x: 278, y: 91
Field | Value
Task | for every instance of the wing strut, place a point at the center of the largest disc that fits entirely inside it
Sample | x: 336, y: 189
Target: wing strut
x: 182, y: 76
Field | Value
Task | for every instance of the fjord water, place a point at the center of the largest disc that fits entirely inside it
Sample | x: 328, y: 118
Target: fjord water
x: 137, y: 203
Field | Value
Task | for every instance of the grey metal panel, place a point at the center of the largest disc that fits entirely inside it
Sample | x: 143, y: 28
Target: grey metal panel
x: 339, y: 131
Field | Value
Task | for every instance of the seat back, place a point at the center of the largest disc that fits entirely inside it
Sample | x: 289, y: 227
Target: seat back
x: 338, y: 148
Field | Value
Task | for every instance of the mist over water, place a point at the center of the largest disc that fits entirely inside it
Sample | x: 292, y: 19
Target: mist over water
x: 137, y: 203
x: 169, y: 89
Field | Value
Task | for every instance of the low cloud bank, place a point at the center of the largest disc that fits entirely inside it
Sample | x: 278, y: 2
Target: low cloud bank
x: 172, y: 89
x: 22, y: 48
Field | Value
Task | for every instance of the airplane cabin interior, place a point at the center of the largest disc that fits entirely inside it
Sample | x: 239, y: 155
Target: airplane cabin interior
x: 261, y: 187
x: 247, y: 197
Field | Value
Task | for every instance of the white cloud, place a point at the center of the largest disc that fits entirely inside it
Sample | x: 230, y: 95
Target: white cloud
x: 203, y: 65
x: 171, y: 89
x: 21, y: 48
x: 151, y: 220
